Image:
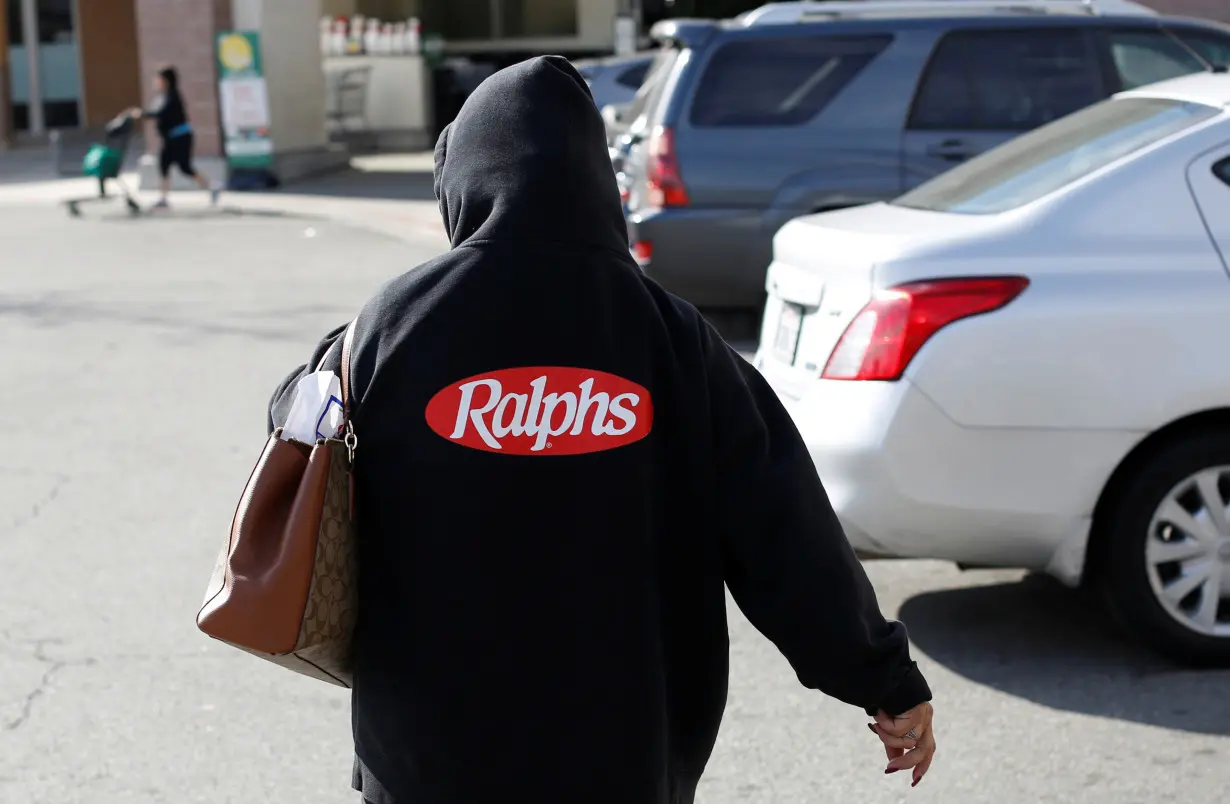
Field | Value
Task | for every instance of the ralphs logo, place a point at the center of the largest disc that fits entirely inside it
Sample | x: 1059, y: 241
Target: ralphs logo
x: 546, y: 410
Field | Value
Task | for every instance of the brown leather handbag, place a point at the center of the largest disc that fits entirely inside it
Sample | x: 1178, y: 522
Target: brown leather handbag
x: 285, y: 584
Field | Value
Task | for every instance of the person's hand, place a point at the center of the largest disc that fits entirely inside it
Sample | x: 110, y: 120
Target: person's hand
x: 909, y: 741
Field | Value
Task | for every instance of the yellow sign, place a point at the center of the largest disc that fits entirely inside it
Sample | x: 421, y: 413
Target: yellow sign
x: 235, y: 52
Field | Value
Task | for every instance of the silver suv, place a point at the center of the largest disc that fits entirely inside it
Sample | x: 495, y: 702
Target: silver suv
x: 804, y: 107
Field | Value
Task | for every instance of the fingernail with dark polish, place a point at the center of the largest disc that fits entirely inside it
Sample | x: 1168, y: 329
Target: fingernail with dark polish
x: 915, y: 783
x: 891, y: 770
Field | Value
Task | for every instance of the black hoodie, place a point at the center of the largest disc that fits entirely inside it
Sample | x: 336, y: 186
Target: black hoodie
x: 560, y: 468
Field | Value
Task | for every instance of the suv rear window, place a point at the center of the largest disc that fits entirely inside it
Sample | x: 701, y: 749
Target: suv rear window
x: 779, y: 81
x: 1047, y: 159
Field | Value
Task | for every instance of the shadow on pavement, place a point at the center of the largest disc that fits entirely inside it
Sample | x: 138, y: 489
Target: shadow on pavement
x: 1054, y: 646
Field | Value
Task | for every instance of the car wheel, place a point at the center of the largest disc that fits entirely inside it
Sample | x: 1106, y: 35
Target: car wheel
x: 1167, y: 571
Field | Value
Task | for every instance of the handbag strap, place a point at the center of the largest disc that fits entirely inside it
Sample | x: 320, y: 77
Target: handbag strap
x: 347, y: 407
x: 347, y: 341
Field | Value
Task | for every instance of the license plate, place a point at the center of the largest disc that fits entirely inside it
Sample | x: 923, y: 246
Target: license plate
x: 786, y: 341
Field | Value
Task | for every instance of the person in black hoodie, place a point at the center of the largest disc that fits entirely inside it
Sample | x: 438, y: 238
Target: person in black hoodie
x: 560, y: 467
x: 171, y: 118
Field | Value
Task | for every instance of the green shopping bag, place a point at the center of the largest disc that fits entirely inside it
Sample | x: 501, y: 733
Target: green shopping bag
x: 102, y: 162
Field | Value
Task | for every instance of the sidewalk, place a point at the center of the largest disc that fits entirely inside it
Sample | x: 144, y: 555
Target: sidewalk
x: 389, y: 193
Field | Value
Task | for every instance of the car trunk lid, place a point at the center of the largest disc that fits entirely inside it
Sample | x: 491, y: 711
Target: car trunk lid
x: 824, y: 270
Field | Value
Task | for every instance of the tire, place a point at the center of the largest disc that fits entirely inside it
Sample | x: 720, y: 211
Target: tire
x: 1143, y: 538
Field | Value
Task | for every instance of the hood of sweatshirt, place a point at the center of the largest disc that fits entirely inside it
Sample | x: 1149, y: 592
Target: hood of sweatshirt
x: 526, y: 160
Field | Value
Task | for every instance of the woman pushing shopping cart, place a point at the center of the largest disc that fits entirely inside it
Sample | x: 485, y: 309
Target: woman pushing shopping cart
x: 171, y: 118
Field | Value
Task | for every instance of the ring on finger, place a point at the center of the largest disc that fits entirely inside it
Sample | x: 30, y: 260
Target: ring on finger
x: 911, y: 734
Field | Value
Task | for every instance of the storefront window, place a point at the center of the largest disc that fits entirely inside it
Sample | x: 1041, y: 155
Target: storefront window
x: 55, y: 21
x: 14, y: 21
x: 491, y: 19
x: 389, y: 10
x: 459, y: 19
x: 59, y: 79
x: 524, y: 18
x: 61, y: 72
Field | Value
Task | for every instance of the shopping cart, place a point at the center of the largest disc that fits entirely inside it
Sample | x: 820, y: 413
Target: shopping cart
x: 104, y: 161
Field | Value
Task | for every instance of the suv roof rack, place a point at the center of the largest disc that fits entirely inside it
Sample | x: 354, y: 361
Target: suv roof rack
x: 807, y: 10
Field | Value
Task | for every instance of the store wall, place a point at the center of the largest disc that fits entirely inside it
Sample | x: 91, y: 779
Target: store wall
x: 182, y: 32
x: 290, y: 53
x: 111, y: 68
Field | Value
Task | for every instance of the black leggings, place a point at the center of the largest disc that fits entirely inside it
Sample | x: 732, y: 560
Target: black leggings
x: 177, y: 152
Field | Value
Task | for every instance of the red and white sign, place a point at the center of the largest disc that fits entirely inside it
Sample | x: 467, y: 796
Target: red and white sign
x: 551, y: 410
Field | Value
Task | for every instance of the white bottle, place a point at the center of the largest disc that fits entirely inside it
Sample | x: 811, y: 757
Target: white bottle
x: 371, y: 37
x: 337, y: 41
x: 326, y: 35
x: 387, y: 47
x: 398, y: 39
x: 414, y: 36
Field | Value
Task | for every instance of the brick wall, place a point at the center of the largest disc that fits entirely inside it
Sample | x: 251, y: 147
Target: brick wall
x: 1209, y: 9
x: 181, y: 32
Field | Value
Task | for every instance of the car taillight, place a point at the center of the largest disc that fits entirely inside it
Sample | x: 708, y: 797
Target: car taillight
x: 886, y: 334
x: 663, y: 181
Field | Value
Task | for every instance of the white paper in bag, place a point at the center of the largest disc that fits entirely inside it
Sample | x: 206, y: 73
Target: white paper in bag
x: 317, y: 410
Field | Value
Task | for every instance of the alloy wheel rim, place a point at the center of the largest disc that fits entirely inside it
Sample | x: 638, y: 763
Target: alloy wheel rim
x: 1187, y: 552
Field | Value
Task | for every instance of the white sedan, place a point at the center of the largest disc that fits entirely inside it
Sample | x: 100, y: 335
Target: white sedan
x: 1023, y: 362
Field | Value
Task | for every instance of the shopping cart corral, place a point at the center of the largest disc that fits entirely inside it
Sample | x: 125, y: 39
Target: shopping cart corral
x: 105, y: 160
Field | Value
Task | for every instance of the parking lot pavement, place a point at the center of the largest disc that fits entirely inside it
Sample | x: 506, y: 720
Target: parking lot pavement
x: 140, y: 355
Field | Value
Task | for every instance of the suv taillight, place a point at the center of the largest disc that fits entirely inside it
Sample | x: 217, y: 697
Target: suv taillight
x: 886, y: 334
x: 663, y: 181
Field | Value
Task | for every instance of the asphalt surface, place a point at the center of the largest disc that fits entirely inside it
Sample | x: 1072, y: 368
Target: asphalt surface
x: 139, y: 356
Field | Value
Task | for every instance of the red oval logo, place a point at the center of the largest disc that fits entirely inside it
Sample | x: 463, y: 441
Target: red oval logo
x: 545, y: 410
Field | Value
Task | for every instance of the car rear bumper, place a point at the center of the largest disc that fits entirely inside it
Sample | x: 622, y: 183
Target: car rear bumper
x: 907, y: 482
x: 711, y: 258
